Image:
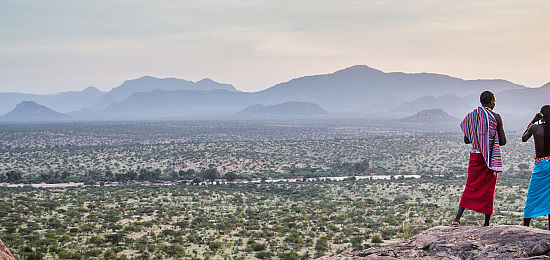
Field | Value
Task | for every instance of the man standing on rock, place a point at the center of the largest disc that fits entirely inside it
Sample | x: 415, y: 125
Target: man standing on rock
x: 483, y: 129
x: 537, y: 202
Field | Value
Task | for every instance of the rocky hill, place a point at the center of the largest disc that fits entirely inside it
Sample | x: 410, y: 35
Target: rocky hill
x: 494, y: 242
x: 5, y: 252
x: 29, y: 111
x: 435, y: 115
x: 291, y: 108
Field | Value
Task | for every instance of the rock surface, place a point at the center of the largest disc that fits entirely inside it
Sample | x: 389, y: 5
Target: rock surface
x: 494, y: 242
x: 5, y: 252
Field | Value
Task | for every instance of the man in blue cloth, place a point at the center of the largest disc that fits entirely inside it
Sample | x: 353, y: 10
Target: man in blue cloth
x: 537, y: 202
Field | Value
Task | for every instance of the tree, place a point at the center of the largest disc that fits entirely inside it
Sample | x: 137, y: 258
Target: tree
x: 189, y: 174
x: 264, y: 255
x: 196, y: 180
x: 131, y: 175
x: 174, y: 250
x: 289, y: 256
x: 356, y: 243
x: 14, y: 176
x: 109, y: 175
x: 155, y: 175
x: 50, y: 177
x: 361, y: 167
x: 120, y: 177
x: 93, y: 175
x: 230, y: 176
x: 376, y: 239
x: 143, y: 175
x: 210, y: 174
x: 321, y: 246
x: 65, y: 175
x: 97, y: 241
x: 175, y: 175
x: 115, y: 238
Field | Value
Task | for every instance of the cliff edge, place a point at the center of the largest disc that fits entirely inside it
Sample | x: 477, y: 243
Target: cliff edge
x: 494, y: 242
x: 5, y: 252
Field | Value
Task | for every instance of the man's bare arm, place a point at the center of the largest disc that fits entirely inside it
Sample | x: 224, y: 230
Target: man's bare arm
x: 500, y: 129
x: 527, y: 134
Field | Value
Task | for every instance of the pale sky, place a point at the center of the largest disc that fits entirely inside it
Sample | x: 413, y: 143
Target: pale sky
x: 53, y: 46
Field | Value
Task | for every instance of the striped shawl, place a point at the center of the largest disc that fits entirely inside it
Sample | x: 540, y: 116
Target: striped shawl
x: 480, y: 127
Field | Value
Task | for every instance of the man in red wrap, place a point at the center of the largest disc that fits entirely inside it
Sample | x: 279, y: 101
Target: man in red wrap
x: 483, y: 129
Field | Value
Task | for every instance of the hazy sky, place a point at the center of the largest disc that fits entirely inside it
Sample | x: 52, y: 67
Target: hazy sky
x: 52, y: 46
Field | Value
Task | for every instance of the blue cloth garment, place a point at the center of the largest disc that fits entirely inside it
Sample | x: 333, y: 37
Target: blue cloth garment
x: 537, y: 202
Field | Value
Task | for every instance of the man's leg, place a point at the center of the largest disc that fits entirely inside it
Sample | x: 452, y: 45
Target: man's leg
x: 487, y: 218
x: 459, y: 215
x: 527, y: 221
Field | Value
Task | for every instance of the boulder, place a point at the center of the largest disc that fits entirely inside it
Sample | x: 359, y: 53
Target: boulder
x: 5, y: 252
x: 493, y: 242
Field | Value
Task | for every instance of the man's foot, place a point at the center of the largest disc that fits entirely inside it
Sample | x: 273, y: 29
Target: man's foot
x: 456, y: 223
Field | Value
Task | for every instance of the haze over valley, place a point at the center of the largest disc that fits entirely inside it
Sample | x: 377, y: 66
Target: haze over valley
x: 263, y: 130
x: 358, y: 91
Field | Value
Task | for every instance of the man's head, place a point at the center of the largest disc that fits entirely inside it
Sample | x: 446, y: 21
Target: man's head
x: 487, y: 99
x: 545, y: 111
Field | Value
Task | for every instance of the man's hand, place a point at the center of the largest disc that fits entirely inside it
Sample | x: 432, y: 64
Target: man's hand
x: 538, y: 117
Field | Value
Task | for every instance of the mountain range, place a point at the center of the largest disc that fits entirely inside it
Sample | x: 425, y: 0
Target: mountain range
x: 93, y: 98
x: 358, y: 90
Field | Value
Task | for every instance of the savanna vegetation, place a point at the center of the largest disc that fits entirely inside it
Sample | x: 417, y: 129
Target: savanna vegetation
x: 189, y: 203
x: 299, y: 220
x: 187, y: 151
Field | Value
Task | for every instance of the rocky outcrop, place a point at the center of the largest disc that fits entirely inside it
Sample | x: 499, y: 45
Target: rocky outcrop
x: 5, y: 252
x: 494, y: 242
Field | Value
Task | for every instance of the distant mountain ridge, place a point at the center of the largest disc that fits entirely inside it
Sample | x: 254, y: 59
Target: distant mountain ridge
x: 357, y: 90
x: 30, y: 111
x: 93, y: 98
x: 364, y: 88
x: 148, y: 83
x: 63, y: 102
x: 527, y: 99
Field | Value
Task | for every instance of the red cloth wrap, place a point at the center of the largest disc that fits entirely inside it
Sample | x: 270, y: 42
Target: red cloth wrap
x: 479, y: 193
